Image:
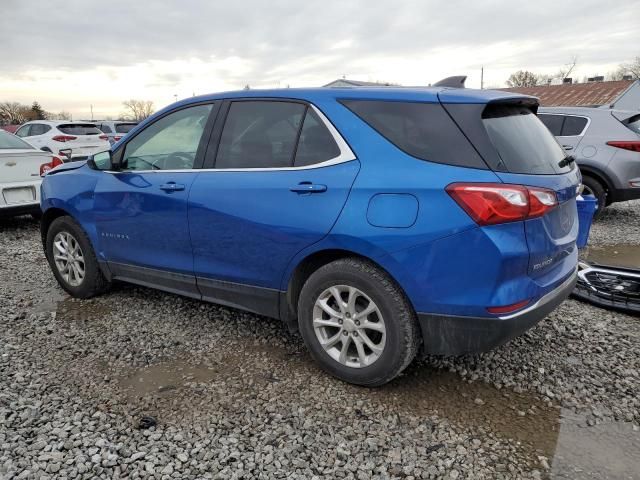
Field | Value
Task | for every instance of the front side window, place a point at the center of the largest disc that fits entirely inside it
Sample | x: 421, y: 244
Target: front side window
x: 552, y: 122
x: 170, y: 143
x: 260, y: 134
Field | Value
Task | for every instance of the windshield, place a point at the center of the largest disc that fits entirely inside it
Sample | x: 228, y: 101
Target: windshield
x: 124, y: 127
x: 522, y: 141
x: 9, y: 141
x: 633, y: 124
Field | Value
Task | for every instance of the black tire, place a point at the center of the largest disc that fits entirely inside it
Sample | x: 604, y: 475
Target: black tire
x: 402, y: 329
x: 94, y: 283
x: 595, y: 188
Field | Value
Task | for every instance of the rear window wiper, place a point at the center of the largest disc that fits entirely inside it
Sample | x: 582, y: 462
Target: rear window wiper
x: 566, y: 161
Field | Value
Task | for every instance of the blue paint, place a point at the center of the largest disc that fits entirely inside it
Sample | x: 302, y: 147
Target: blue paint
x: 392, y: 210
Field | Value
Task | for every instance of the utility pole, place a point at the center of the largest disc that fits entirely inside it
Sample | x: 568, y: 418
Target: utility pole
x: 175, y: 95
x: 482, y: 77
x: 91, y: 106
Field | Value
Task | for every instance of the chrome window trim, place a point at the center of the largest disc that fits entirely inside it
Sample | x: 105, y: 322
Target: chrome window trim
x: 346, y: 155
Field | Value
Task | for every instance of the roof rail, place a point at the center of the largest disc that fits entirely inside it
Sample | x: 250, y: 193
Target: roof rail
x: 457, y: 81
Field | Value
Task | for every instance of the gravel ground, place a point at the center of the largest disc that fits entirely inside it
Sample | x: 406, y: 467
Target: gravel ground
x: 236, y: 396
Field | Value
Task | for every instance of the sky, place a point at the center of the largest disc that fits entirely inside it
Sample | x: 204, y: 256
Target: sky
x: 76, y: 54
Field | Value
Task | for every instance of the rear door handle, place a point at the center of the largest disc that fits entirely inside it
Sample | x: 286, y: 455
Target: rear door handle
x: 308, y: 187
x: 567, y: 147
x: 171, y: 187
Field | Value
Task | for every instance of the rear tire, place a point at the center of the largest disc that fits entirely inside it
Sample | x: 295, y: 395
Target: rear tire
x: 373, y: 318
x: 73, y: 260
x: 595, y: 188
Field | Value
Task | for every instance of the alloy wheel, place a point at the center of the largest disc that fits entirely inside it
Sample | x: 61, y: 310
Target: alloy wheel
x: 69, y: 258
x: 349, y: 326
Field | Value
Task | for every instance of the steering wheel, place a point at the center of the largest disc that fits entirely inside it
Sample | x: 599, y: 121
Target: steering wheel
x: 178, y: 160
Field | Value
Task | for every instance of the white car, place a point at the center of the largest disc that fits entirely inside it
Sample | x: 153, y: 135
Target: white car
x: 21, y: 167
x: 82, y: 138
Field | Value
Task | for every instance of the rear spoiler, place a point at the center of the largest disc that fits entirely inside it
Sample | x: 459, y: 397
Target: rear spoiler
x: 623, y: 115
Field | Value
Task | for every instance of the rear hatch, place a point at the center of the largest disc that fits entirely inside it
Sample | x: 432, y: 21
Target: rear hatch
x: 21, y: 165
x: 517, y: 146
x: 82, y: 137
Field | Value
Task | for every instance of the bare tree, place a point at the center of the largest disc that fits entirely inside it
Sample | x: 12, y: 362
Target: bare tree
x: 632, y: 68
x: 523, y: 78
x: 138, y: 110
x: 13, y: 112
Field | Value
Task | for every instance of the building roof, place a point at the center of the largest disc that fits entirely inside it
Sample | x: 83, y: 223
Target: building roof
x: 593, y: 94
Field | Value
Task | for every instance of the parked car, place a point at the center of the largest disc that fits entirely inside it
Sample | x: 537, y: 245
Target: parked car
x: 115, y: 130
x: 82, y: 138
x: 20, y: 167
x: 372, y: 220
x: 606, y: 145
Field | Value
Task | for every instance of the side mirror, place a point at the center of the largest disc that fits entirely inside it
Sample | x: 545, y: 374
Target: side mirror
x: 67, y: 153
x: 102, y: 161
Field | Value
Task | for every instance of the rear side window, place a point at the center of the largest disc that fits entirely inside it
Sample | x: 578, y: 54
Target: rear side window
x: 79, y: 129
x: 523, y: 143
x: 316, y: 144
x: 260, y: 134
x: 422, y: 130
x: 39, y: 129
x: 573, y: 126
x: 633, y: 123
x: 124, y: 127
x: 552, y: 122
x: 23, y: 131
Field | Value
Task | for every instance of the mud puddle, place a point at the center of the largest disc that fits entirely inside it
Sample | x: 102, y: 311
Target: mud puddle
x: 166, y: 377
x: 621, y: 255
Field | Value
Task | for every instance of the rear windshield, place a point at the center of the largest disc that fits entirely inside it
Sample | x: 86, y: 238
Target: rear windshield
x: 79, y: 129
x: 523, y: 143
x: 124, y: 127
x: 633, y: 123
x: 9, y: 141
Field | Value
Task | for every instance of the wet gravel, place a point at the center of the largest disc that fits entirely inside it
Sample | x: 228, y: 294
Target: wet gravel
x: 234, y: 395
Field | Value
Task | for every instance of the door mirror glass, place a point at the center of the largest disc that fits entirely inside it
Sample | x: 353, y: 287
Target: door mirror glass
x: 101, y: 161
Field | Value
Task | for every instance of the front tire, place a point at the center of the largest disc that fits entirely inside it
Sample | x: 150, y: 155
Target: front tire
x: 357, y: 323
x: 73, y: 260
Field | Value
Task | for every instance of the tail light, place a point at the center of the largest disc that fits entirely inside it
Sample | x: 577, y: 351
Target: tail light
x: 494, y: 203
x: 64, y: 138
x: 103, y: 137
x: 117, y: 138
x: 45, y: 167
x: 632, y: 145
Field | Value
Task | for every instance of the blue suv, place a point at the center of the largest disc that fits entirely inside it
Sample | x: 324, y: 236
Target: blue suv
x: 374, y: 221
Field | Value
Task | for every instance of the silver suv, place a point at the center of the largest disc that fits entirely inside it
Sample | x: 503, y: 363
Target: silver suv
x: 115, y: 130
x: 606, y: 145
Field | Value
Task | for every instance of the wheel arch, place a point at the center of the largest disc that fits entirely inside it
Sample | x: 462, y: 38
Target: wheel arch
x: 600, y: 176
x: 47, y: 219
x: 306, y: 267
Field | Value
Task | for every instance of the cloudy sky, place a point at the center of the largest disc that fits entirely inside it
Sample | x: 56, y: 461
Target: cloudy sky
x: 73, y: 54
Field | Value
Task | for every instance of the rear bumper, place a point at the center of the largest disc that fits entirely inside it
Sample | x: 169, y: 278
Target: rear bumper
x: 20, y: 209
x: 624, y: 194
x: 457, y: 335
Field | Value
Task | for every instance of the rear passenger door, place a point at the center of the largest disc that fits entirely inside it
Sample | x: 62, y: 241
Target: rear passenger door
x: 277, y: 175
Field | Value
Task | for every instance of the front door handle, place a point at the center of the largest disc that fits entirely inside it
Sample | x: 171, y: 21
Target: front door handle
x: 172, y: 187
x: 308, y: 187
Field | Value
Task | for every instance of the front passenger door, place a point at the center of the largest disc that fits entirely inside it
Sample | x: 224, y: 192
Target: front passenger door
x: 141, y: 210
